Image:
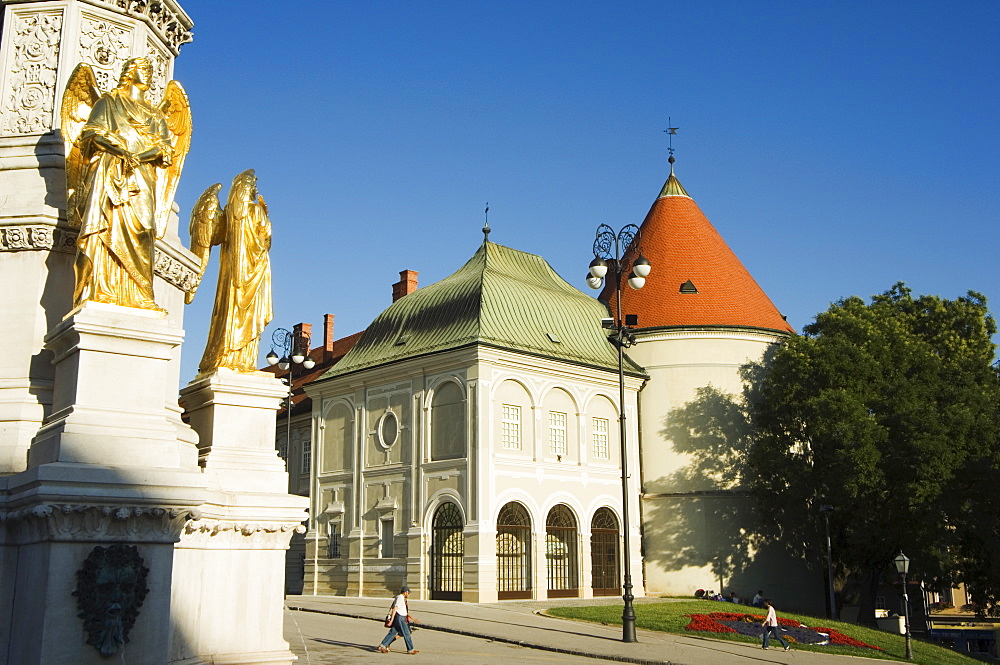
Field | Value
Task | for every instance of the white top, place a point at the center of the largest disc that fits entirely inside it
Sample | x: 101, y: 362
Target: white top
x: 400, y: 604
x: 772, y: 618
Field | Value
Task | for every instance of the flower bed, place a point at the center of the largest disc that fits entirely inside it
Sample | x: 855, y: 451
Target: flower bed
x: 750, y: 625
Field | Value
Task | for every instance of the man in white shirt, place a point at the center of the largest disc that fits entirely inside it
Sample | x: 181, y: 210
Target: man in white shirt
x: 400, y: 623
x: 770, y: 624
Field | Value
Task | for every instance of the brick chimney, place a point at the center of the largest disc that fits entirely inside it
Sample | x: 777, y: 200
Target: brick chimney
x: 301, y: 336
x: 327, y: 337
x: 406, y: 285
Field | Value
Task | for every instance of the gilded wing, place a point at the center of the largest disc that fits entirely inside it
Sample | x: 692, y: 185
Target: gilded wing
x: 177, y: 110
x: 208, y: 228
x: 78, y: 100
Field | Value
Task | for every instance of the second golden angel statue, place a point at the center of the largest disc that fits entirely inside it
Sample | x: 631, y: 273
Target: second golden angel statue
x: 242, y: 308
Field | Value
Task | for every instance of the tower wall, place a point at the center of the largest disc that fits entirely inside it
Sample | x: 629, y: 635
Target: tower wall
x: 693, y: 516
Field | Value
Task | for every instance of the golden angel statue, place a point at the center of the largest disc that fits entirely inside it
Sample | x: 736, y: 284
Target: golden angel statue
x: 123, y: 160
x: 243, y: 297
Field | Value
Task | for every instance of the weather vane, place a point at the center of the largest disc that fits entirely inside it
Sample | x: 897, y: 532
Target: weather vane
x: 670, y: 131
x: 486, y: 227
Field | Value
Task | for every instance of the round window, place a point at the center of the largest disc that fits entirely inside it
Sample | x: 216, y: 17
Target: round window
x: 388, y: 429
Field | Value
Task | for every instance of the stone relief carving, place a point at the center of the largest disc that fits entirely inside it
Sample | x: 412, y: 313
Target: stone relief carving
x: 21, y: 238
x: 160, y: 62
x: 105, y: 45
x: 96, y: 523
x: 32, y: 77
x: 164, y: 20
x: 176, y: 273
x: 252, y: 535
x: 110, y: 588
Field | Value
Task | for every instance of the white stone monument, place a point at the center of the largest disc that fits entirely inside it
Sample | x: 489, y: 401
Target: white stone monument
x: 122, y: 537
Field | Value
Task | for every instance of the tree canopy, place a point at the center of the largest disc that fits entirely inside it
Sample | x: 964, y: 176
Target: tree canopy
x: 887, y: 411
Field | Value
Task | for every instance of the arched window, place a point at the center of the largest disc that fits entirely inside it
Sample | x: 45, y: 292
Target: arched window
x: 513, y: 552
x: 560, y: 553
x: 448, y: 423
x: 604, y: 553
x: 447, y: 552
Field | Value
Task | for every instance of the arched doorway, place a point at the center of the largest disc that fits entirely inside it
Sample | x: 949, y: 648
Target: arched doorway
x: 604, y: 553
x: 560, y: 553
x: 513, y: 552
x: 447, y: 552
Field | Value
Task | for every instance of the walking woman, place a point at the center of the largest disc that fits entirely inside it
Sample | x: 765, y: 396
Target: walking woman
x: 400, y: 623
x: 770, y: 624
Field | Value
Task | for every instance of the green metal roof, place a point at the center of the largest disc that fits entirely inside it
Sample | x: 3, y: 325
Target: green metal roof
x: 502, y: 298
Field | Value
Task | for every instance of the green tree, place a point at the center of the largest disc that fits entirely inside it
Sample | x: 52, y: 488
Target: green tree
x: 883, y: 410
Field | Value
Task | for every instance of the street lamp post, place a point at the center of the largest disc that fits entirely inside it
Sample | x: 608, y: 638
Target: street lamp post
x: 826, y: 510
x: 609, y: 251
x: 294, y: 346
x: 903, y: 567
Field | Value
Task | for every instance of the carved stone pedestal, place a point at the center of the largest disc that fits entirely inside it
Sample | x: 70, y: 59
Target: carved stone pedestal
x: 234, y: 415
x: 237, y: 549
x: 66, y: 587
x: 112, y: 378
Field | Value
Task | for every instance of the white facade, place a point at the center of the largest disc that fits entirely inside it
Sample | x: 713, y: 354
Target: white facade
x: 479, y: 428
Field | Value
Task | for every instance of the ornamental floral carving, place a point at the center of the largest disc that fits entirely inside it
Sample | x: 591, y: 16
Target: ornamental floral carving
x: 106, y: 46
x: 223, y: 534
x: 22, y: 238
x: 31, y: 82
x: 96, y: 523
x: 169, y: 25
x: 160, y: 62
x: 19, y: 238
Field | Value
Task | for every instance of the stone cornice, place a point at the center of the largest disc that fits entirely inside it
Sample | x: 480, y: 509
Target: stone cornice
x: 229, y: 534
x: 164, y: 17
x: 170, y: 264
x: 48, y: 522
x: 747, y: 333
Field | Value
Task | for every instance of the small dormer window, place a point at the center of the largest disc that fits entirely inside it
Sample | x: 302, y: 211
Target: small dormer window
x: 688, y: 287
x: 553, y: 338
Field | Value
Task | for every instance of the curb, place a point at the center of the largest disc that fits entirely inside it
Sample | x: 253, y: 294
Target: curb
x: 505, y: 640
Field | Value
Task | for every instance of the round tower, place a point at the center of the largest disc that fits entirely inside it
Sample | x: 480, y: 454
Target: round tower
x: 701, y: 316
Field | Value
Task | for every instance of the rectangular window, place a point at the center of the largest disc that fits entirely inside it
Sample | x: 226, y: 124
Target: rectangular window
x: 306, y: 454
x: 557, y: 432
x: 334, y: 541
x: 386, y: 539
x: 511, y: 434
x: 600, y: 437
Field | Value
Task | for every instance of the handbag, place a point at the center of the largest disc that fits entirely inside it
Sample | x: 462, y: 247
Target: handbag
x: 390, y: 616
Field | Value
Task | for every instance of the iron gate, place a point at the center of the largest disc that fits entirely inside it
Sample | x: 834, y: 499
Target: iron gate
x: 513, y: 552
x: 560, y: 553
x: 604, y: 553
x: 447, y: 552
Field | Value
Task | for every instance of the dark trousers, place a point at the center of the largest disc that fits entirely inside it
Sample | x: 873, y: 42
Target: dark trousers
x: 773, y: 630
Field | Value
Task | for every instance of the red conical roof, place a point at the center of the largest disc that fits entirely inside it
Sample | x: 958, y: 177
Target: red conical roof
x: 696, y: 280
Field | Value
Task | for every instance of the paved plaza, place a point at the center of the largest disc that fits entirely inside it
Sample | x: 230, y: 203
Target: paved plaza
x: 324, y: 630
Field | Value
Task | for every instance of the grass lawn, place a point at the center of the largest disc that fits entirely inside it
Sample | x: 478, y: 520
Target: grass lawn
x: 671, y: 617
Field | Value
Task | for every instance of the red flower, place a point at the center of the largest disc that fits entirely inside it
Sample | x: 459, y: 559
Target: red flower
x: 707, y: 623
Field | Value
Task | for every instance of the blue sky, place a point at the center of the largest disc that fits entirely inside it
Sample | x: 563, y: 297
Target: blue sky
x: 838, y: 147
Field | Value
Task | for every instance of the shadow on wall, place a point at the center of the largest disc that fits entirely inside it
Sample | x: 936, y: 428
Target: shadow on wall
x: 701, y: 516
